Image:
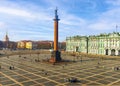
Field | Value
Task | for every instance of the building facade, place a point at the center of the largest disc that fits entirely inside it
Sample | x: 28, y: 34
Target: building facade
x: 26, y: 44
x: 21, y: 44
x: 31, y: 45
x: 105, y: 44
x: 76, y: 43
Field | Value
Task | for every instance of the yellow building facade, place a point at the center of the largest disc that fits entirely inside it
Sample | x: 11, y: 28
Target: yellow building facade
x: 27, y: 45
x: 21, y: 45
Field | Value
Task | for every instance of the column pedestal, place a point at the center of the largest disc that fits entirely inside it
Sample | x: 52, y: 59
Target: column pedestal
x: 55, y: 56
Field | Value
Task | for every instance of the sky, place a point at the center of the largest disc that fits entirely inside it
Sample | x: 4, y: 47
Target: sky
x: 33, y: 19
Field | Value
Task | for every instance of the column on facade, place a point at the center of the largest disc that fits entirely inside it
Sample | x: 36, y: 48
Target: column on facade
x: 116, y: 52
x: 109, y: 51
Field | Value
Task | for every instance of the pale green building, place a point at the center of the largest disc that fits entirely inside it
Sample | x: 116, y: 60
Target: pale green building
x: 105, y: 44
x: 76, y: 43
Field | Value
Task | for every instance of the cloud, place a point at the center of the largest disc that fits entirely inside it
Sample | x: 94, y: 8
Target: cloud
x: 25, y: 14
x: 30, y: 35
x: 35, y: 20
x: 112, y: 14
x: 106, y: 20
x: 113, y: 2
x: 99, y: 25
x: 69, y: 19
x: 2, y: 24
x: 16, y: 12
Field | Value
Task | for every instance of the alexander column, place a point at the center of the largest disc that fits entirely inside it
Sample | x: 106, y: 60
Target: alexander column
x: 55, y: 55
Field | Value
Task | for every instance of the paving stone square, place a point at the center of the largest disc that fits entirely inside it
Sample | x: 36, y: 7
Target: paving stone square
x: 42, y: 80
x: 28, y: 83
x: 117, y: 83
x: 50, y: 83
x: 104, y: 82
x: 7, y: 82
x: 31, y: 73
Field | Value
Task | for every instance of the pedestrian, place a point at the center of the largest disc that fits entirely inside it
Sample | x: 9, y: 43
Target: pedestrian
x: 42, y: 70
x: 10, y: 68
x: 117, y: 68
x: 45, y: 73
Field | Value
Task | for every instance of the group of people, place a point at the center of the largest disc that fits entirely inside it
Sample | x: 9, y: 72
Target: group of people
x: 44, y: 72
x: 37, y: 60
x: 116, y: 68
x: 11, y: 67
x: 71, y: 80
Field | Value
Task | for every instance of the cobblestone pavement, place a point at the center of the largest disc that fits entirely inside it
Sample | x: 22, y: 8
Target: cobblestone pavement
x: 27, y: 72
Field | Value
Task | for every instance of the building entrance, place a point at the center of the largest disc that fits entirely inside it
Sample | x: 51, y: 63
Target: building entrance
x: 106, y: 52
x: 113, y: 52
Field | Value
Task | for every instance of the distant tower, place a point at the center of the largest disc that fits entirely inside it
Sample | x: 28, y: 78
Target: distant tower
x: 6, y: 40
x: 55, y: 57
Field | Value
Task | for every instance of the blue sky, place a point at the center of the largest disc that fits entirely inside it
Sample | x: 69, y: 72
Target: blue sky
x: 33, y: 19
